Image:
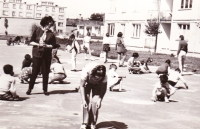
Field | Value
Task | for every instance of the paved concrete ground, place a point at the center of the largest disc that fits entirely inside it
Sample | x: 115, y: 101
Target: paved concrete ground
x: 130, y: 109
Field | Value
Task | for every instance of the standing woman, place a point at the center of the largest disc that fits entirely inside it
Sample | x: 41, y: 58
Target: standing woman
x: 73, y: 50
x: 86, y: 43
x: 182, y: 51
x: 121, y: 49
x: 106, y: 47
x: 43, y: 40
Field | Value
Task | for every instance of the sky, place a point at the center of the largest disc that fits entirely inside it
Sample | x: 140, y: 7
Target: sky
x: 76, y: 7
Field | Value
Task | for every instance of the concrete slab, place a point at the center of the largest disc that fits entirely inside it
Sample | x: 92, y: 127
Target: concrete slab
x: 130, y: 109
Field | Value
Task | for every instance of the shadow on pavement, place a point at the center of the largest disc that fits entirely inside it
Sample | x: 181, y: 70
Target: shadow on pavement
x: 112, y: 125
x: 57, y: 92
x: 64, y: 82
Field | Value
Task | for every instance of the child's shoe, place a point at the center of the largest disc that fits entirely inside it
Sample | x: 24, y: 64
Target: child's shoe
x: 166, y: 100
x: 110, y: 88
x: 83, y: 126
x: 92, y: 127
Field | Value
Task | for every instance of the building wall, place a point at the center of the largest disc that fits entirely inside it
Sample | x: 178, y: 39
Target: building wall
x: 18, y: 26
x: 26, y: 16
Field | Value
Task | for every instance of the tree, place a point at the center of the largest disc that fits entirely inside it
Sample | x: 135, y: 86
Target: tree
x: 97, y: 16
x: 152, y: 29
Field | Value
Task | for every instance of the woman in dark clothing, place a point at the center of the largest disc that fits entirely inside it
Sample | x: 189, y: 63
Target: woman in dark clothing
x: 182, y: 51
x: 121, y: 49
x: 43, y: 40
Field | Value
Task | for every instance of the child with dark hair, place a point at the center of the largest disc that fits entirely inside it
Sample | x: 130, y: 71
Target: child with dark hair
x: 175, y: 76
x: 144, y: 65
x: 162, y: 90
x: 113, y: 78
x: 164, y: 68
x: 27, y: 61
x: 7, y: 84
x: 133, y: 66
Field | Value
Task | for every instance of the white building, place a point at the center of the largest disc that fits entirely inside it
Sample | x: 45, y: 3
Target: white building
x: 176, y: 17
x: 22, y: 15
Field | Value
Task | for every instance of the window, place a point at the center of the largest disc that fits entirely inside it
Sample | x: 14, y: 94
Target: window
x: 184, y: 30
x: 60, y: 31
x: 61, y: 10
x: 53, y: 9
x: 47, y: 9
x: 11, y: 0
x: 38, y: 15
x: 186, y: 4
x: 13, y: 13
x: 136, y: 30
x: 111, y: 29
x: 20, y: 14
x: 39, y: 8
x: 60, y: 24
x: 18, y: 1
x: 28, y: 7
x: 5, y: 13
x: 5, y: 5
x: 20, y: 6
x: 50, y: 3
x: 28, y: 14
x: 44, y: 3
x: 14, y: 6
x: 61, y: 17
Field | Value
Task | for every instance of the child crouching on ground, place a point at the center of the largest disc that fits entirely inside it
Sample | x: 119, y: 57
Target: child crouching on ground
x: 133, y: 66
x: 7, y: 84
x: 113, y: 78
x: 57, y: 72
x: 144, y: 65
x: 162, y: 90
x: 25, y: 74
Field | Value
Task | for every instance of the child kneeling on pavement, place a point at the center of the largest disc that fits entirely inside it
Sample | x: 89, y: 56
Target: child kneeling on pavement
x: 57, y: 72
x: 113, y: 78
x: 162, y: 90
x: 7, y: 84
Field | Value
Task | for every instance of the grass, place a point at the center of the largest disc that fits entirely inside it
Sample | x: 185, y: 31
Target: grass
x: 191, y: 63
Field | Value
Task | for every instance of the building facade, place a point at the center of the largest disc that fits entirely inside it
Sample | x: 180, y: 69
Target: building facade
x: 21, y: 16
x: 176, y: 17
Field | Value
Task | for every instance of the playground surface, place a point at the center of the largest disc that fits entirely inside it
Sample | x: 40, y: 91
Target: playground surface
x: 129, y: 109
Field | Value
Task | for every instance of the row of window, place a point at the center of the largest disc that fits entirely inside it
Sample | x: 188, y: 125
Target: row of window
x: 183, y: 29
x: 29, y: 7
x: 185, y: 4
x: 135, y: 30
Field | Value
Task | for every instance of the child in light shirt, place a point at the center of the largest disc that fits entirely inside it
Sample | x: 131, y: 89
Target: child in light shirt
x: 113, y: 78
x: 162, y: 90
x: 7, y: 84
x: 175, y: 76
x: 57, y: 72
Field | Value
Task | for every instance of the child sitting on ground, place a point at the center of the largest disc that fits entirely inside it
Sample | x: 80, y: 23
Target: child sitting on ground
x: 162, y: 90
x: 54, y: 53
x: 57, y: 72
x: 25, y: 74
x: 133, y: 66
x: 7, y: 84
x: 27, y: 61
x: 113, y: 78
x: 144, y: 65
x: 175, y: 76
x: 164, y: 68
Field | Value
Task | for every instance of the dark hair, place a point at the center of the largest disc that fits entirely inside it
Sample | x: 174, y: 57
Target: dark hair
x: 8, y: 69
x: 135, y: 54
x: 150, y: 59
x: 113, y: 66
x: 88, y: 33
x: 94, y: 71
x: 142, y: 62
x: 182, y: 37
x: 27, y: 57
x: 54, y: 60
x: 119, y: 34
x: 57, y: 45
x: 46, y: 20
x: 168, y: 61
x: 107, y: 34
x: 163, y: 78
x: 178, y: 70
x: 72, y: 36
